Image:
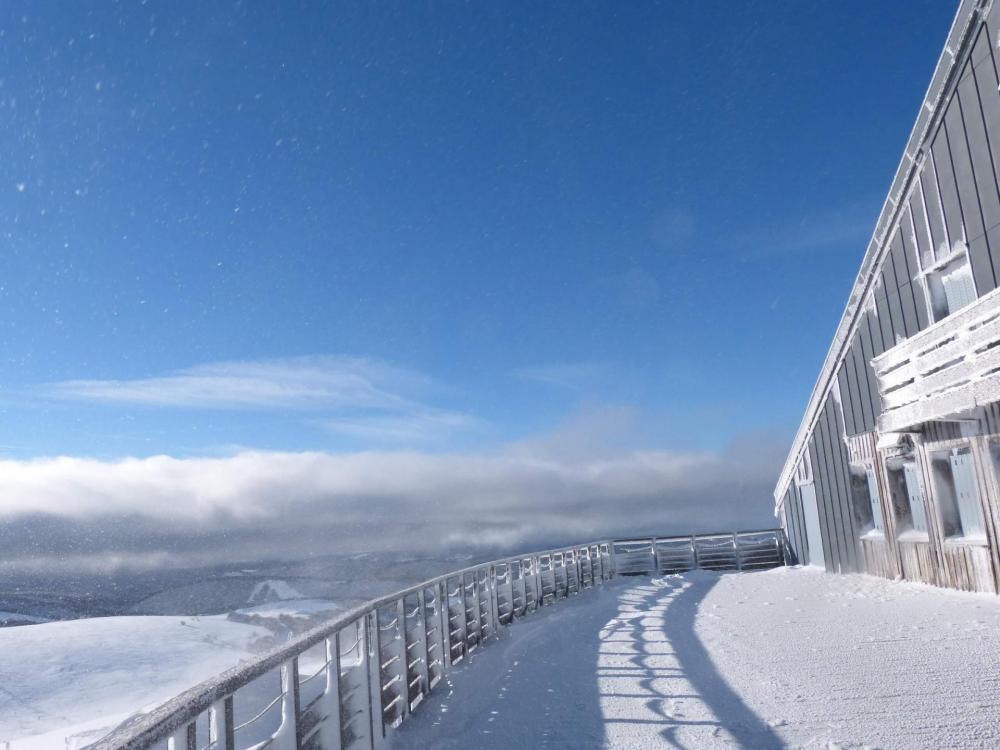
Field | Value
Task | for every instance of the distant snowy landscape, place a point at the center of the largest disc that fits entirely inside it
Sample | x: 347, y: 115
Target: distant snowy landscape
x: 786, y: 658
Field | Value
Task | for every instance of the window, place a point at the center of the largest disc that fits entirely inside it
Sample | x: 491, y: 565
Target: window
x: 950, y: 285
x: 907, y: 496
x: 954, y: 475
x: 865, y: 499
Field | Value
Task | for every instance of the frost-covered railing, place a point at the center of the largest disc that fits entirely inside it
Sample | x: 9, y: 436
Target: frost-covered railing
x: 349, y: 682
x: 949, y: 367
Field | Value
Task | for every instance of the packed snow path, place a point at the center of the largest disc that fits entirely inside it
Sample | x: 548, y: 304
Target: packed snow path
x: 787, y: 658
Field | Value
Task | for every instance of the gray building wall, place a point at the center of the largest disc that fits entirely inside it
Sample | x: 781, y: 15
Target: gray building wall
x: 953, y: 195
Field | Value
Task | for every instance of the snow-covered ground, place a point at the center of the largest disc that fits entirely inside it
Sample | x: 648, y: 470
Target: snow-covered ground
x: 64, y: 684
x: 787, y: 658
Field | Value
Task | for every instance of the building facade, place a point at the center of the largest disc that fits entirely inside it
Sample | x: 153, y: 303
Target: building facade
x: 895, y: 469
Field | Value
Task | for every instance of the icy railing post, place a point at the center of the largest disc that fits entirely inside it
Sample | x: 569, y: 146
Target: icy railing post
x: 737, y: 553
x: 181, y: 739
x: 656, y: 557
x: 328, y: 729
x: 221, y: 731
x: 374, y: 681
x: 494, y: 601
x: 286, y: 736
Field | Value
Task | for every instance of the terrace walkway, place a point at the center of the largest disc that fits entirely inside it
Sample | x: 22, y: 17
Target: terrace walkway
x: 785, y: 658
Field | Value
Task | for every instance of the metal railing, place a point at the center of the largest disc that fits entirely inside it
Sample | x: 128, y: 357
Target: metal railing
x: 349, y: 682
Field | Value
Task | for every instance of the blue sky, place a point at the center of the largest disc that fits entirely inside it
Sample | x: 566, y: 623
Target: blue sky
x: 439, y: 227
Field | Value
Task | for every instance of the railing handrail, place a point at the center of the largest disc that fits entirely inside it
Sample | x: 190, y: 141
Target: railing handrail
x: 141, y: 731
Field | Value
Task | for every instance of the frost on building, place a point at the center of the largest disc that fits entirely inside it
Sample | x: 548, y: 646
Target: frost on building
x: 895, y: 469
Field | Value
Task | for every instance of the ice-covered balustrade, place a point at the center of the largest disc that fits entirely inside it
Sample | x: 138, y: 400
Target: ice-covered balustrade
x: 347, y: 684
x: 946, y: 369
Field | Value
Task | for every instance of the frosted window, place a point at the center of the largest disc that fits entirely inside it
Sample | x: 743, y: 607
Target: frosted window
x: 914, y: 496
x: 873, y: 498
x: 966, y: 493
x: 959, y: 289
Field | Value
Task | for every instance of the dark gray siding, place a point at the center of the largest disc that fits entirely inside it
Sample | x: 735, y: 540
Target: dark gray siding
x: 954, y: 196
x: 798, y: 543
x: 830, y: 471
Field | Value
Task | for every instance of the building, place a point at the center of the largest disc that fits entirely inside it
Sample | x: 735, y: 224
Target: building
x: 895, y: 469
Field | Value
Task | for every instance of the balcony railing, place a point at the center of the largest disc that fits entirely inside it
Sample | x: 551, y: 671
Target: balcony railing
x: 946, y: 369
x: 348, y: 683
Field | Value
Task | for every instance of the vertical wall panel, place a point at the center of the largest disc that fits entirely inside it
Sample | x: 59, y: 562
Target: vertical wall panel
x: 892, y: 294
x: 901, y: 270
x: 864, y: 389
x: 852, y: 529
x: 833, y: 541
x: 869, y: 352
x: 824, y: 502
x: 879, y: 342
x: 914, y: 285
x: 843, y: 378
x: 919, y: 228
x: 984, y: 135
x: 982, y: 155
x: 979, y: 254
x: 884, y: 318
x: 949, y: 190
x: 797, y: 537
x: 842, y: 479
x: 932, y: 204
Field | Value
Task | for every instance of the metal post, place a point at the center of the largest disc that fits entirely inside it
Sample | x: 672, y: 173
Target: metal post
x: 445, y: 626
x: 494, y: 601
x: 425, y: 654
x: 656, y: 556
x: 374, y: 651
x: 329, y: 731
x: 402, y: 668
x: 736, y: 552
x: 185, y: 738
x: 694, y: 551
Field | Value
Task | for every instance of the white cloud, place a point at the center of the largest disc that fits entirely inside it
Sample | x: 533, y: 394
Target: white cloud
x: 302, y: 382
x: 574, y: 375
x: 257, y: 505
x: 365, y: 399
x: 425, y: 426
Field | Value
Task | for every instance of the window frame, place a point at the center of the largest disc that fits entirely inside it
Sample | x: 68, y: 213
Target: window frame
x: 948, y: 506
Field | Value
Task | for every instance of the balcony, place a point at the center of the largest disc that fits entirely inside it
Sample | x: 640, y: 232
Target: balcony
x: 944, y: 371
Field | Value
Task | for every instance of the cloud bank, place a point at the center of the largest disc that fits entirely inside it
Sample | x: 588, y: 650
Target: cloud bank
x: 150, y: 512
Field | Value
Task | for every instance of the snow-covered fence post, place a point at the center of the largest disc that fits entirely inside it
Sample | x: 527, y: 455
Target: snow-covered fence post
x: 736, y: 553
x: 694, y: 552
x: 444, y: 627
x: 286, y: 736
x: 494, y: 601
x: 373, y: 650
x: 656, y: 557
x: 536, y: 565
x: 402, y: 658
x: 420, y: 644
x: 184, y: 738
x: 221, y: 732
x: 329, y: 708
